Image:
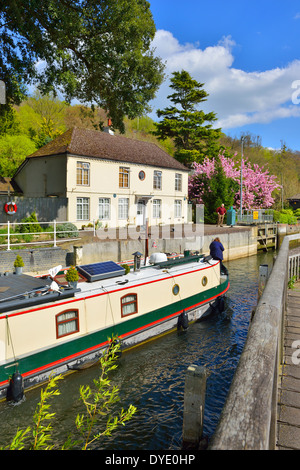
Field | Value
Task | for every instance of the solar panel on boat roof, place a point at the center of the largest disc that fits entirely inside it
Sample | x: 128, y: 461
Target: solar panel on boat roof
x: 103, y: 270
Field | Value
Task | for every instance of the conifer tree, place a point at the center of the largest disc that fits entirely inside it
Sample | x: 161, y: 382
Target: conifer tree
x: 191, y: 128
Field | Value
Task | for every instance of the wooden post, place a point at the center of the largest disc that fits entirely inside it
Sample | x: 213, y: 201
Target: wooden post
x: 263, y: 278
x: 194, y: 402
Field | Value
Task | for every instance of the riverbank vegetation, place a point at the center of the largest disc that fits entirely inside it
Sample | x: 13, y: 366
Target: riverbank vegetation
x: 96, y: 420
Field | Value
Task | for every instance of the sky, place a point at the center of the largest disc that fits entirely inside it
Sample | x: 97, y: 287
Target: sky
x: 247, y: 54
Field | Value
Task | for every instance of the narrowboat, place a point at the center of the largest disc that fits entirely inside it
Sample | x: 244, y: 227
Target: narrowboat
x: 47, y: 327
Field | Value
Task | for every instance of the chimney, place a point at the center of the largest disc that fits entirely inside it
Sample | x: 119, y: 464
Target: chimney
x: 107, y: 129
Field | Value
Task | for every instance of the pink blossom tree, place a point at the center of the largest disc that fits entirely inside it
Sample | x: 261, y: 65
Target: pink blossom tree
x: 258, y: 184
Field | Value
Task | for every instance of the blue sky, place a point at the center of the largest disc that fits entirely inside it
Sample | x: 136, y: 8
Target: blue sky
x: 247, y: 54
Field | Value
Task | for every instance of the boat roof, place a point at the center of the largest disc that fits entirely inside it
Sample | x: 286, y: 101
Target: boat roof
x: 12, y: 285
x: 146, y: 274
x: 20, y: 291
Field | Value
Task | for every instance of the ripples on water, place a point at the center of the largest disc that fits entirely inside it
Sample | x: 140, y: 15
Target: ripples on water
x: 152, y: 376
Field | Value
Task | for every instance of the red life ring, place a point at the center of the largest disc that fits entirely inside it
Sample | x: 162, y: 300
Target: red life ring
x: 10, y: 208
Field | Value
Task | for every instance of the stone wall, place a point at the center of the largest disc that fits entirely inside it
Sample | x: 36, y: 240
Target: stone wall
x: 237, y: 244
x: 35, y: 260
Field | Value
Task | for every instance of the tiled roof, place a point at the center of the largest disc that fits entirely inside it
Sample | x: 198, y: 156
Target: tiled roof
x: 92, y: 143
x: 7, y: 184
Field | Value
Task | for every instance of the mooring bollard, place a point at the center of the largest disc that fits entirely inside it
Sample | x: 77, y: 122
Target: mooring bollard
x: 194, y: 402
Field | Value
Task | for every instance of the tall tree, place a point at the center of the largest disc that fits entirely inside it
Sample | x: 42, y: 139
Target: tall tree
x: 190, y: 128
x: 98, y: 51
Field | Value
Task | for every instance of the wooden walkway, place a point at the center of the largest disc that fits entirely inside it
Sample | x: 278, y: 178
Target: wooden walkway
x: 288, y: 425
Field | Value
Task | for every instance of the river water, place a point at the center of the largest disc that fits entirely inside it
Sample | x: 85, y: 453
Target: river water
x: 152, y: 376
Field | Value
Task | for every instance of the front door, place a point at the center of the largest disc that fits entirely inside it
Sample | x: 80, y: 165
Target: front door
x: 140, y: 212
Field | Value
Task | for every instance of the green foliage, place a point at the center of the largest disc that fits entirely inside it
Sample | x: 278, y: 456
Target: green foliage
x: 98, y: 403
x: 38, y: 437
x: 97, y: 52
x: 18, y: 263
x: 285, y: 216
x: 9, y: 123
x: 190, y: 128
x: 218, y: 189
x: 126, y: 267
x: 14, y: 149
x: 72, y: 274
x: 29, y: 224
x: 291, y: 283
x: 297, y: 213
x: 67, y: 230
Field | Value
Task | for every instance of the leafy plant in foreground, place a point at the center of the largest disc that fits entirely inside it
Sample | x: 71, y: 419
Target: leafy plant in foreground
x: 98, y: 402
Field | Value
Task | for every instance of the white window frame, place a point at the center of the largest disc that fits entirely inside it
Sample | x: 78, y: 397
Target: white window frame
x: 104, y: 208
x: 178, y: 182
x: 156, y: 207
x: 177, y: 208
x: 123, y: 208
x: 124, y: 173
x: 157, y: 179
x: 83, y: 208
x: 82, y: 169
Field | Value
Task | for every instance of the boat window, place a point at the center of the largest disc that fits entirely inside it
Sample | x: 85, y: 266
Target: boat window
x: 67, y: 323
x: 176, y: 289
x: 204, y: 281
x: 129, y: 305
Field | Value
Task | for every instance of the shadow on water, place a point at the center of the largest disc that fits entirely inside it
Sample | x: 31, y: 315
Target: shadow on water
x: 152, y: 376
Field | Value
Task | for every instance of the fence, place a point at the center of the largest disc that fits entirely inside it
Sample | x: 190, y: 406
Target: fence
x: 46, y: 237
x: 255, y: 217
x: 249, y: 417
x: 294, y: 267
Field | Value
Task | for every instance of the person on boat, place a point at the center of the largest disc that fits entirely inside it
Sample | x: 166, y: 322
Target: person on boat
x: 216, y: 252
x: 221, y: 211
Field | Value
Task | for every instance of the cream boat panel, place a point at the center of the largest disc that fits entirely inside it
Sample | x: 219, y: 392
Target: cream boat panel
x: 99, y: 305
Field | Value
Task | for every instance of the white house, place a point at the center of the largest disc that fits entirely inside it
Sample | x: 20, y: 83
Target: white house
x: 110, y: 178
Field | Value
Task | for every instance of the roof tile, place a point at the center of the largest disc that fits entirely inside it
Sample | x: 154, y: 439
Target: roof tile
x: 96, y: 144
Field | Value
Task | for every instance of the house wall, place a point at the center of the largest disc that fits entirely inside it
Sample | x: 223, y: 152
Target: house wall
x: 43, y: 176
x: 104, y: 182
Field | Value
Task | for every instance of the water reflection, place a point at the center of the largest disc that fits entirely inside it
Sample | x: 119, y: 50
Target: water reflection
x: 152, y: 376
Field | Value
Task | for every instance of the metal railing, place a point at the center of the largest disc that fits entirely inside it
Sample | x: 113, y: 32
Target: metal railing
x: 249, y: 417
x: 9, y: 235
x: 294, y: 267
x: 257, y: 216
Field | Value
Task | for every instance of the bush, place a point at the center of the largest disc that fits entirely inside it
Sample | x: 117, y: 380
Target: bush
x: 297, y: 213
x: 70, y: 230
x: 126, y: 267
x: 19, y: 263
x: 72, y: 274
x: 285, y: 216
x: 31, y: 226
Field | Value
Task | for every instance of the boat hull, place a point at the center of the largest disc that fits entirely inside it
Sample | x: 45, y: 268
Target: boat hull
x: 74, y: 354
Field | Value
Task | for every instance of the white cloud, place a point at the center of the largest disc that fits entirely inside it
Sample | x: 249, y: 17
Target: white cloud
x: 236, y: 96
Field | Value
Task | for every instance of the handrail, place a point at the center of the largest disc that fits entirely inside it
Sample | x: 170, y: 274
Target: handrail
x: 249, y: 417
x: 54, y: 241
x: 294, y: 267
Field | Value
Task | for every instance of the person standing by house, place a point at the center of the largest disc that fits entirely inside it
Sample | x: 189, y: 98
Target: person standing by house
x: 221, y: 211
